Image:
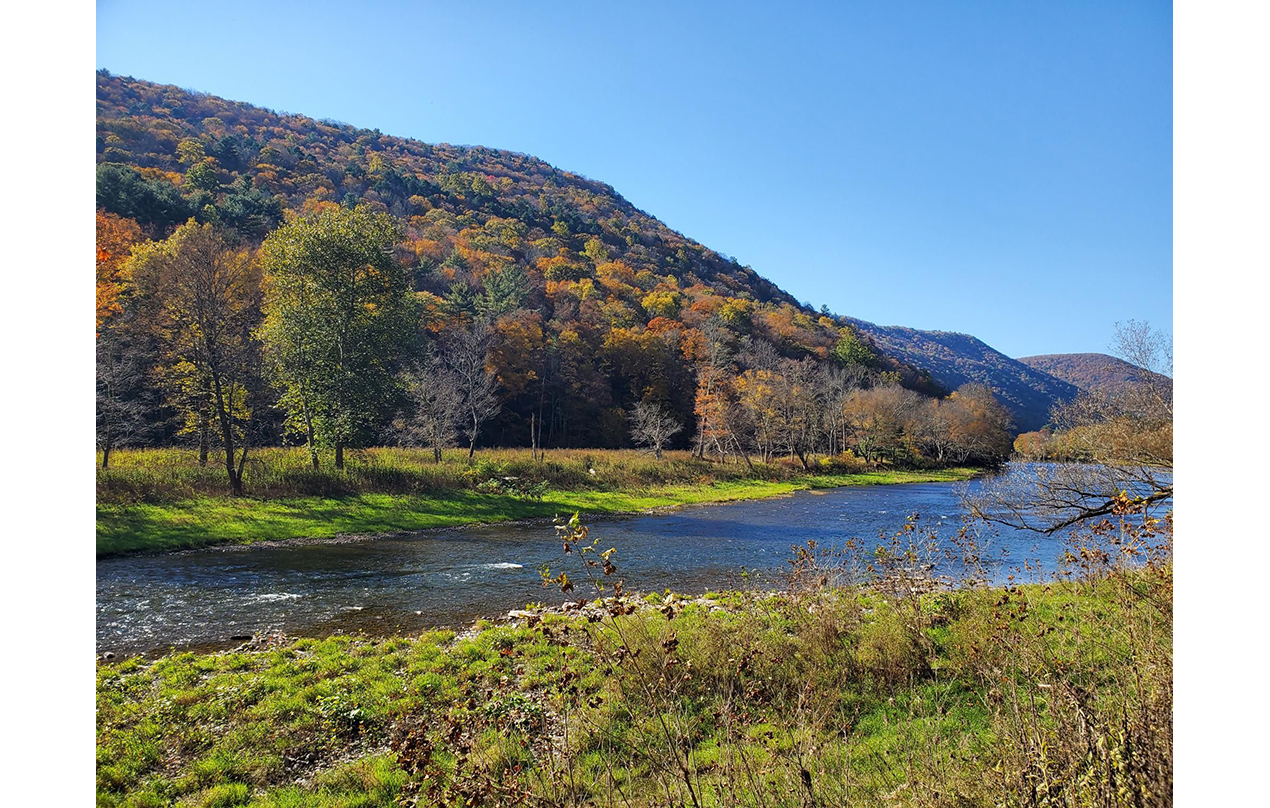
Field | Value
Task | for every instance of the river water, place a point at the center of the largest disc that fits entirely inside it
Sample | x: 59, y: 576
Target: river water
x: 449, y: 577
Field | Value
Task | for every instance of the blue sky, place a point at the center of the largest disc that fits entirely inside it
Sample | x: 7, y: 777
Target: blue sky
x: 1001, y: 169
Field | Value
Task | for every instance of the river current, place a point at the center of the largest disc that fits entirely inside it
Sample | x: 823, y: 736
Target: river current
x: 449, y: 577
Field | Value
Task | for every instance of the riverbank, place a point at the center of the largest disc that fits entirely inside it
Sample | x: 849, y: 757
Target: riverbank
x: 157, y: 502
x: 813, y: 696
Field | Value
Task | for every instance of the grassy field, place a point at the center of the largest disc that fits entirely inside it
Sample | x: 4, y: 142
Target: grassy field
x: 1055, y: 694
x: 161, y: 499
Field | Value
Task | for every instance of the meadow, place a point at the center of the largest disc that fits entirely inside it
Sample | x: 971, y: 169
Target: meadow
x: 163, y: 499
x: 894, y: 688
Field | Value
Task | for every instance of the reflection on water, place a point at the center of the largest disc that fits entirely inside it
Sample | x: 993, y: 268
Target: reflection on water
x: 447, y: 578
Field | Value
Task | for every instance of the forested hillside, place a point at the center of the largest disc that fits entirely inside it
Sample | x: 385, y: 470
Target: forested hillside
x: 1092, y: 372
x: 956, y: 359
x: 578, y: 306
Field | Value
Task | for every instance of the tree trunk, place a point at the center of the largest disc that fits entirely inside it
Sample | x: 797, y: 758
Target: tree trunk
x: 227, y: 437
x: 802, y: 458
x: 235, y: 478
x: 202, y: 439
x: 105, y: 456
x: 308, y: 437
x: 542, y: 396
x: 551, y: 424
x: 339, y: 453
x: 242, y: 461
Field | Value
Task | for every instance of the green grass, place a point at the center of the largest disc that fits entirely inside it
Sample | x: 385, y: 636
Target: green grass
x: 839, y: 684
x: 159, y: 500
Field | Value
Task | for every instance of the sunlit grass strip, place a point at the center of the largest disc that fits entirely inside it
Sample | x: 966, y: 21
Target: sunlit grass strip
x: 205, y: 521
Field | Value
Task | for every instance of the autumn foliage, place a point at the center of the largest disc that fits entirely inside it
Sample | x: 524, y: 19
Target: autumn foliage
x: 115, y: 238
x: 592, y: 306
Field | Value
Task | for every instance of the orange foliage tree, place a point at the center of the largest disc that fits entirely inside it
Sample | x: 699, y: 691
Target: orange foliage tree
x: 115, y: 239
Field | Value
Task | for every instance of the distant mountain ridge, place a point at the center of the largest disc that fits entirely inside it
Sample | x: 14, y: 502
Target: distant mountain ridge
x: 1093, y: 372
x: 955, y: 359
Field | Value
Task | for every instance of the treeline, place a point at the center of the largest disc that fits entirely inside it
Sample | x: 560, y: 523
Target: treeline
x: 317, y: 336
x: 751, y: 401
x: 1104, y: 429
x: 1127, y: 420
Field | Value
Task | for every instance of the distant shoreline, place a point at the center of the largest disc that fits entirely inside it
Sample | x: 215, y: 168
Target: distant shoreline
x: 228, y: 524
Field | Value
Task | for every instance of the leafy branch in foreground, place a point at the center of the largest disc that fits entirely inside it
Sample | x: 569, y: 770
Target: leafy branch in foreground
x: 1120, y: 449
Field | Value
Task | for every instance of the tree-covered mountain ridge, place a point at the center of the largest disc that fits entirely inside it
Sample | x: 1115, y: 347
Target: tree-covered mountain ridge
x: 1096, y: 373
x: 955, y: 359
x: 251, y: 164
x: 565, y: 264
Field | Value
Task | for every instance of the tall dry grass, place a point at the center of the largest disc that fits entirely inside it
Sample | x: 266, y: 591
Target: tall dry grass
x: 883, y: 675
x: 170, y: 475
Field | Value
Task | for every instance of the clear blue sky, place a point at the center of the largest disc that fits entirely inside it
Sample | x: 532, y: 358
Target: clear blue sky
x: 998, y: 168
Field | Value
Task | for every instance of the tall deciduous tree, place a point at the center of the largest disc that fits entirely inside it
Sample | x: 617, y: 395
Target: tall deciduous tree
x: 1150, y: 397
x: 338, y: 314
x: 982, y: 428
x: 834, y: 387
x: 120, y: 410
x: 709, y: 347
x: 436, y: 406
x: 936, y: 426
x: 115, y: 239
x: 467, y: 357
x: 652, y: 426
x: 878, y: 419
x: 202, y: 293
x: 756, y: 397
x: 797, y: 408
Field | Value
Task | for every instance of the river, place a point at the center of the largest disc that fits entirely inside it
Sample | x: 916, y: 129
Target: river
x: 449, y: 577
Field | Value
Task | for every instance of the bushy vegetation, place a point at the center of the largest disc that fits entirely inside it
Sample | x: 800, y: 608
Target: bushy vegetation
x: 867, y: 682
